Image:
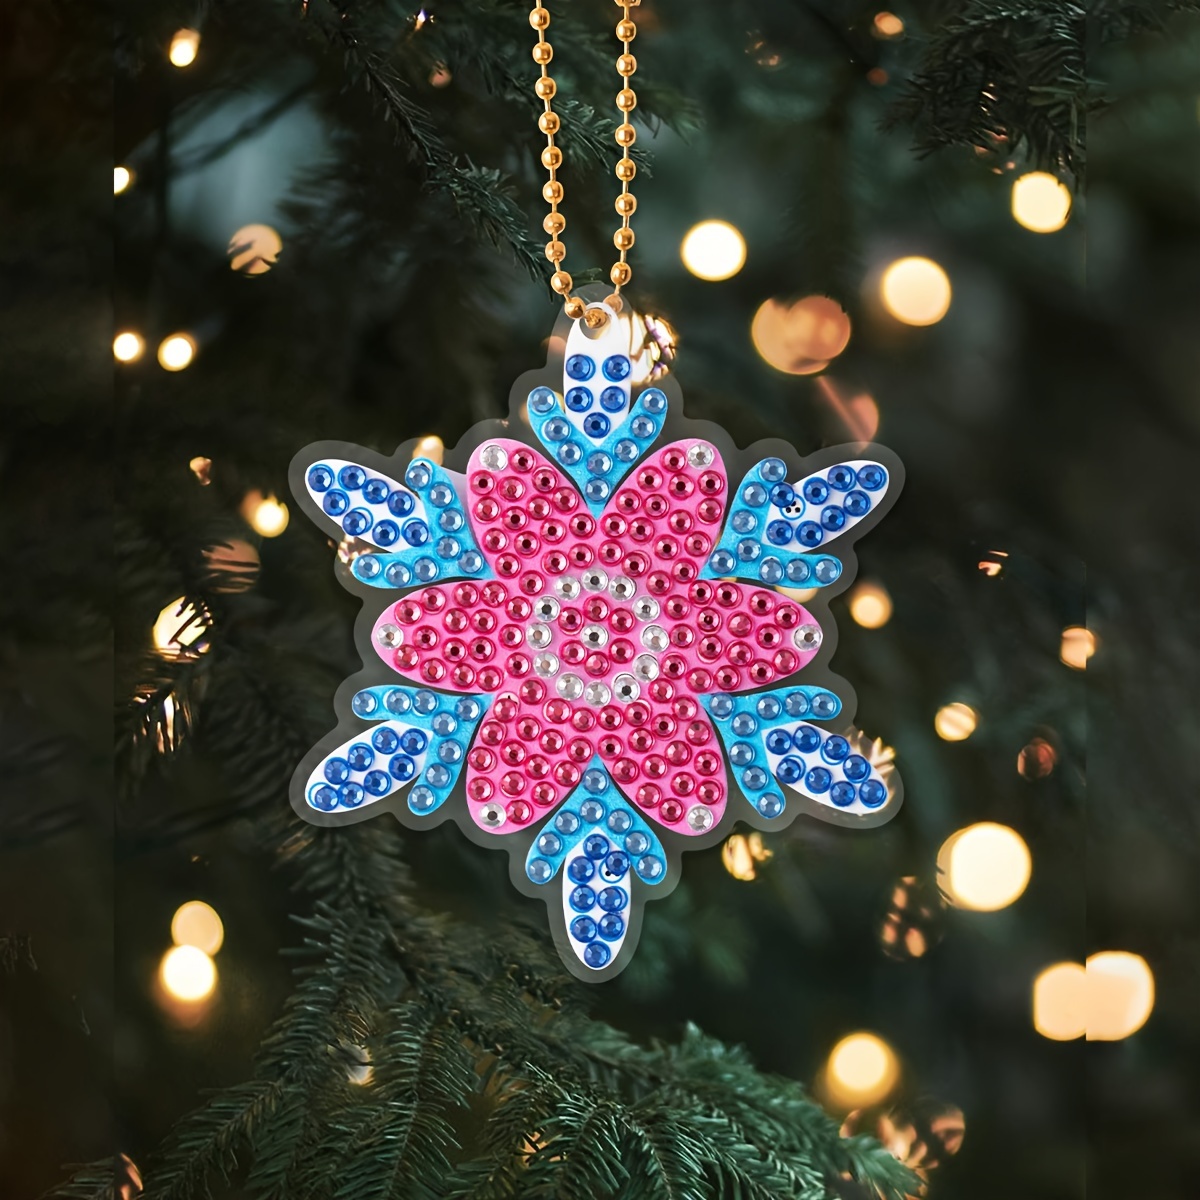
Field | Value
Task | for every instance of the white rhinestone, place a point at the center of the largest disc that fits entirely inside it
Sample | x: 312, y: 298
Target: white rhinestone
x: 595, y: 580
x: 625, y: 688
x: 594, y: 636
x: 597, y: 693
x: 539, y: 635
x: 700, y: 818
x: 494, y: 458
x: 546, y: 665
x: 645, y: 608
x: 389, y: 635
x: 621, y: 587
x: 570, y: 687
x: 546, y: 608
x: 654, y: 637
x: 807, y: 637
x: 700, y: 455
x: 567, y: 587
x: 645, y: 667
x: 492, y: 815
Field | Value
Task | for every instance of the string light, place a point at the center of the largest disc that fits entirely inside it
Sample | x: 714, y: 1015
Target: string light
x: 742, y: 853
x: 713, y: 250
x: 122, y: 178
x: 1060, y: 1002
x: 128, y: 346
x: 800, y: 338
x: 254, y: 249
x: 179, y: 628
x: 187, y: 974
x: 887, y: 25
x: 185, y: 45
x: 1040, y: 202
x: 870, y: 605
x: 862, y: 1069
x: 431, y: 447
x: 1077, y: 646
x: 201, y: 467
x: 984, y: 867
x: 1037, y: 759
x: 264, y: 514
x: 955, y: 722
x: 176, y: 352
x: 197, y: 924
x: 1120, y: 995
x: 916, y: 291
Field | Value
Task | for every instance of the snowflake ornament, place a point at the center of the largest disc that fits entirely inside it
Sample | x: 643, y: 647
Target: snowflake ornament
x: 593, y: 651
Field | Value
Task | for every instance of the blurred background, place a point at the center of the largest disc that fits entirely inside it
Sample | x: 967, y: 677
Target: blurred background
x: 324, y: 223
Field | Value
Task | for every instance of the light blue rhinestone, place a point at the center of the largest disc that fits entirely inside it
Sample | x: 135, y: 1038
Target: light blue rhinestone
x: 827, y: 570
x: 597, y: 489
x: 440, y: 495
x: 599, y: 463
x: 443, y: 724
x: 637, y: 843
x: 770, y: 570
x: 594, y: 780
x: 754, y: 778
x: 654, y: 401
x: 743, y: 521
x: 642, y: 427
x: 626, y: 451
x: 592, y: 811
x: 418, y: 475
x: 566, y: 822
x: 722, y: 562
x: 755, y: 495
x: 744, y: 724
x: 768, y: 707
x: 549, y: 843
x: 748, y: 549
x: 540, y: 870
x: 471, y: 562
x: 397, y: 574
x: 796, y: 704
x: 798, y: 571
x: 438, y: 775
x: 448, y: 548
x: 741, y: 754
x: 450, y: 752
x: 721, y: 706
x: 770, y: 805
x: 451, y: 521
x: 426, y: 569
x: 619, y: 821
x: 772, y: 469
x: 425, y: 701
x: 421, y: 799
x: 650, y: 866
x: 367, y: 566
x: 824, y: 706
x: 541, y: 400
x: 467, y: 708
x: 397, y: 701
x: 556, y: 429
x: 364, y: 704
x: 569, y: 453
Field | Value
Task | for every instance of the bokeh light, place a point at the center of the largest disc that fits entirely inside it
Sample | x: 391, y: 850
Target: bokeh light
x: 176, y: 352
x: 185, y: 45
x: 1077, y: 646
x: 197, y: 924
x: 254, y: 249
x: 1120, y: 995
x: 178, y: 629
x: 955, y: 722
x: 233, y: 566
x: 431, y: 447
x: 862, y: 1069
x: 187, y: 974
x: 916, y: 291
x: 742, y: 853
x: 887, y: 25
x: 1040, y: 202
x: 1060, y: 1002
x: 201, y: 467
x: 440, y: 75
x: 923, y: 1133
x: 800, y: 338
x: 264, y: 514
x: 1037, y: 759
x: 913, y: 922
x: 870, y: 605
x: 122, y: 178
x: 128, y: 346
x: 984, y: 867
x: 713, y: 250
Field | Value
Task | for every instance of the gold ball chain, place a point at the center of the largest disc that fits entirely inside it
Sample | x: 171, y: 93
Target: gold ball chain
x: 549, y: 123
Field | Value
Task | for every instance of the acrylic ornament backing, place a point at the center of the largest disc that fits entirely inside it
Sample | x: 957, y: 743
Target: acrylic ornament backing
x: 584, y: 638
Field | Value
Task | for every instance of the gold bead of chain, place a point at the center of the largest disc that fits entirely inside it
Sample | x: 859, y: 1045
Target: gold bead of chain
x: 625, y: 136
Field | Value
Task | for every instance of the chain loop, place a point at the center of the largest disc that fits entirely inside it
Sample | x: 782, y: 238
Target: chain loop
x: 549, y: 123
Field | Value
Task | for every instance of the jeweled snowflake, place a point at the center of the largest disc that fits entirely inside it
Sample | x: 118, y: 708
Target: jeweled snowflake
x: 606, y: 646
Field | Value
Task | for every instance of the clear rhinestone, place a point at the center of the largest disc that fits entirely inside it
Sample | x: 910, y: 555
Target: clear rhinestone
x: 621, y: 587
x: 700, y: 818
x: 546, y: 664
x: 494, y: 457
x: 654, y: 637
x: 567, y: 587
x: 492, y: 815
x: 539, y: 635
x: 807, y: 637
x: 546, y: 608
x: 626, y: 688
x: 595, y: 580
x: 700, y: 455
x: 645, y: 667
x: 389, y: 635
x: 570, y: 687
x: 597, y: 693
x: 594, y: 636
x: 645, y: 608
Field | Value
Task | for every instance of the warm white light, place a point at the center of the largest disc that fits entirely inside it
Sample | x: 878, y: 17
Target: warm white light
x: 187, y: 973
x: 1060, y: 1002
x: 431, y: 447
x: 916, y: 291
x: 265, y: 514
x: 870, y: 605
x: 185, y: 45
x: 201, y: 467
x: 1120, y: 995
x: 862, y: 1070
x: 254, y: 249
x: 1077, y: 646
x: 955, y: 722
x: 984, y: 867
x: 197, y: 924
x: 713, y: 250
x: 178, y: 626
x: 176, y: 352
x: 888, y: 25
x: 1040, y: 202
x: 742, y: 853
x: 122, y: 178
x: 800, y: 338
x: 128, y: 347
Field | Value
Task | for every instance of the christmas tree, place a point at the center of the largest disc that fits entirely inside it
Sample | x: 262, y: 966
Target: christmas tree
x: 969, y: 230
